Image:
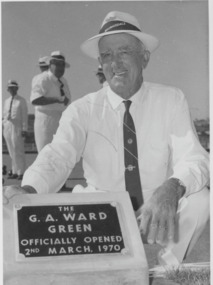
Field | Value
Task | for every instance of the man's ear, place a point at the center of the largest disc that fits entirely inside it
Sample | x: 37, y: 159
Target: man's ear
x: 145, y: 59
x: 99, y: 59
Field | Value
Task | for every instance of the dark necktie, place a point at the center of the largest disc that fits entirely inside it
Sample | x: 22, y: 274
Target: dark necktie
x: 10, y: 109
x: 132, y: 176
x: 61, y: 87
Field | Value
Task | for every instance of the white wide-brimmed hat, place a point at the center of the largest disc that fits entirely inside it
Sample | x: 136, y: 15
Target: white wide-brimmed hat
x: 118, y: 22
x: 12, y: 83
x: 57, y: 55
x: 44, y: 61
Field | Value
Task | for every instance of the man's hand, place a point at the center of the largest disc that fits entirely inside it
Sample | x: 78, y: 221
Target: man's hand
x: 63, y: 100
x: 157, y: 220
x: 12, y: 190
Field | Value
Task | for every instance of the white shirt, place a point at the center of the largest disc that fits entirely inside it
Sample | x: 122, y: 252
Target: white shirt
x: 105, y: 84
x: 19, y: 114
x: 46, y: 84
x: 91, y: 127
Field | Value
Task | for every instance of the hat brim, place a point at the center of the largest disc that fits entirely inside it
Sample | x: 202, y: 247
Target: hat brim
x: 12, y: 86
x: 42, y: 64
x: 67, y: 65
x: 90, y: 46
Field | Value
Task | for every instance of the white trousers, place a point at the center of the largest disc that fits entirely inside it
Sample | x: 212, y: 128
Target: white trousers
x: 45, y: 126
x: 193, y: 214
x: 192, y: 219
x: 15, y: 145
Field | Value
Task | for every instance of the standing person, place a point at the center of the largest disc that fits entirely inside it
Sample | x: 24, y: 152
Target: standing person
x: 50, y: 95
x: 134, y: 136
x: 101, y: 77
x: 15, y: 125
x: 43, y: 64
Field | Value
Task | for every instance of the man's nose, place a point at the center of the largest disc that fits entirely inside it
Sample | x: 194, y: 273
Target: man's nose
x: 116, y: 60
x: 116, y: 56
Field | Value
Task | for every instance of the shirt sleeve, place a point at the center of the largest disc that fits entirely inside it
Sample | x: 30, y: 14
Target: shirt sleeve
x: 55, y: 162
x: 190, y: 160
x: 38, y: 87
x: 5, y: 111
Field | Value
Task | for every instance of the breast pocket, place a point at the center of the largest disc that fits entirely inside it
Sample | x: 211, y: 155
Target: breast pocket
x: 100, y: 150
x: 155, y: 156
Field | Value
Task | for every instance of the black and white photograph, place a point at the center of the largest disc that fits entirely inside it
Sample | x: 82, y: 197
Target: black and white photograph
x: 106, y: 142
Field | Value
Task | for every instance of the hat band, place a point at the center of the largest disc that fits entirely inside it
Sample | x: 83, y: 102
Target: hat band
x: 58, y: 57
x: 117, y: 26
x: 42, y: 62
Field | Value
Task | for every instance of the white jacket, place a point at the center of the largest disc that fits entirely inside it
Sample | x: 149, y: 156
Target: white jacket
x: 19, y: 112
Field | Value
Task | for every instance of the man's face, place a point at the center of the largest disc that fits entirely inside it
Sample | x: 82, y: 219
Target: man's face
x: 44, y: 68
x: 121, y: 59
x: 12, y: 90
x: 57, y: 67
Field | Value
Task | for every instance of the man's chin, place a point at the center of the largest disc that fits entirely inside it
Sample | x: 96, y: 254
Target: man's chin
x: 118, y: 87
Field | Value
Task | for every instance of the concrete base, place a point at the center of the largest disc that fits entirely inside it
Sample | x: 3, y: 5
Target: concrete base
x: 117, y: 277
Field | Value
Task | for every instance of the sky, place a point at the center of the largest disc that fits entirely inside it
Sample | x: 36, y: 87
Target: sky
x: 34, y: 29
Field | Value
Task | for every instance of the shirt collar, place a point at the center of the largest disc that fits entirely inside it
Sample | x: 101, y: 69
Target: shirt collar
x: 13, y: 97
x: 105, y: 84
x: 115, y: 100
x: 52, y: 76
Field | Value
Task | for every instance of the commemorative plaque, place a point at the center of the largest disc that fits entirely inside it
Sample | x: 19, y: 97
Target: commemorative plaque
x: 68, y: 230
x: 67, y: 238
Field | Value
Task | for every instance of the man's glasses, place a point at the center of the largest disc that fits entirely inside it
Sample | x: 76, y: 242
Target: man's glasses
x: 121, y: 54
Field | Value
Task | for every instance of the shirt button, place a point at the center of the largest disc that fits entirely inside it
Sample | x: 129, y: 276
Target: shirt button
x: 130, y: 141
x: 130, y: 167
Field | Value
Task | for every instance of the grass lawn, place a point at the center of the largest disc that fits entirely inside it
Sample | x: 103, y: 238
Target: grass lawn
x: 185, y: 274
x: 189, y: 276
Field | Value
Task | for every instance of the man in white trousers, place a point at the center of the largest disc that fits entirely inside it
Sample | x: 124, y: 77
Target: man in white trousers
x: 15, y: 126
x: 134, y: 136
x: 50, y: 95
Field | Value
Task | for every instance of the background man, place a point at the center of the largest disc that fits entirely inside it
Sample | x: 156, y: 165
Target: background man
x: 101, y: 77
x: 15, y: 125
x: 50, y: 95
x: 44, y: 63
x: 133, y: 136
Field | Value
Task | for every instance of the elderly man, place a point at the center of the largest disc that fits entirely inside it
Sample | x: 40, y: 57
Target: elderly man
x: 133, y: 136
x: 15, y: 125
x: 50, y: 95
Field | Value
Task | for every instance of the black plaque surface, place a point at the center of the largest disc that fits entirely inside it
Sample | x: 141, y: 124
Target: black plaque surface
x: 57, y: 230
